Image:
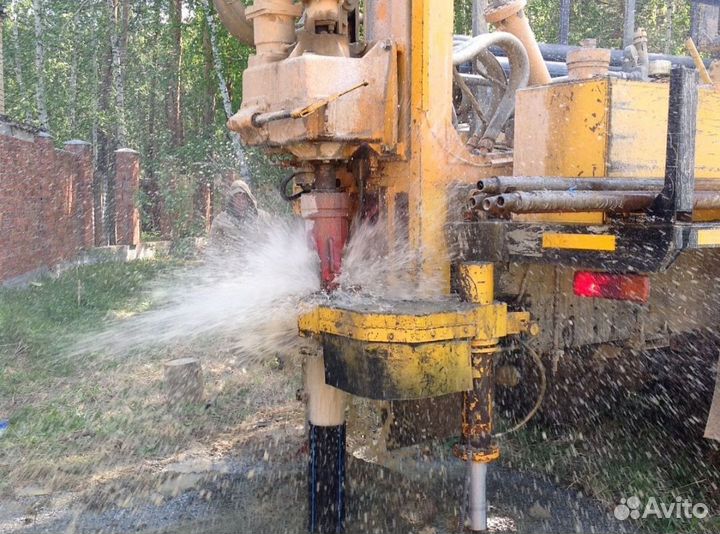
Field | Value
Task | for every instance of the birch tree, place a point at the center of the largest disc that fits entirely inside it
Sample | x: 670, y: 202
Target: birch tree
x: 16, y: 46
x: 40, y: 96
x: 119, y: 13
x: 174, y: 101
x: 222, y: 86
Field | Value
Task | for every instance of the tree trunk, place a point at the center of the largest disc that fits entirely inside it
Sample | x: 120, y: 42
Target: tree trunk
x: 669, y: 21
x: 19, y: 79
x: 175, y: 122
x: 479, y: 24
x: 695, y: 16
x: 40, y: 65
x: 629, y: 26
x: 72, y: 104
x: 210, y: 92
x: 150, y: 185
x: 227, y: 103
x: 118, y: 37
x: 105, y: 148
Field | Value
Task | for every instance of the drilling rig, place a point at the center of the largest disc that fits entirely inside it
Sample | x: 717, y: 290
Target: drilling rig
x: 541, y: 205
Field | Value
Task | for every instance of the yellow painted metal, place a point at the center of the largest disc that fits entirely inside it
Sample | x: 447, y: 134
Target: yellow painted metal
x: 477, y: 280
x: 521, y: 323
x: 467, y: 322
x: 606, y: 243
x: 436, y: 159
x: 606, y: 127
x: 420, y: 349
x: 396, y: 371
x: 710, y: 237
x: 564, y: 130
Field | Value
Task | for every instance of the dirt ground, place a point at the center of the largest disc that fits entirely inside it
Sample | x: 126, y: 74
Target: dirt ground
x: 252, y: 479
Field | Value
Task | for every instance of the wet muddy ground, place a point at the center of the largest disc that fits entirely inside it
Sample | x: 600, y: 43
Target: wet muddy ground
x: 259, y: 485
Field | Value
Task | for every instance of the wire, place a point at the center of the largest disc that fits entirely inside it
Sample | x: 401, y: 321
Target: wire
x: 541, y: 394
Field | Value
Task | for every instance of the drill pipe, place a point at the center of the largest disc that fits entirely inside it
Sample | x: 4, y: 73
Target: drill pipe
x: 498, y: 185
x: 581, y: 201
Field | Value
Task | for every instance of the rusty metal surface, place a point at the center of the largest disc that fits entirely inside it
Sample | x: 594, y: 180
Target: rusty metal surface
x: 506, y: 184
x: 587, y: 201
x: 679, y: 302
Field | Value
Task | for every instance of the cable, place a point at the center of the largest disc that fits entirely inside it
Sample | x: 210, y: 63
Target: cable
x: 283, y: 187
x: 541, y: 394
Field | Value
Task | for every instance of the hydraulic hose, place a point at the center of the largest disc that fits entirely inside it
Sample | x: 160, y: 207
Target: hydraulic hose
x: 541, y: 394
x: 472, y: 49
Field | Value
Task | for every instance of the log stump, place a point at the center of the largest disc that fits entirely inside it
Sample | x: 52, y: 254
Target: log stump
x: 184, y: 381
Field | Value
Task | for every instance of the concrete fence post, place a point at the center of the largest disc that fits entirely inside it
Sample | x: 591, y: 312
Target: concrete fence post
x: 83, y: 191
x: 127, y: 187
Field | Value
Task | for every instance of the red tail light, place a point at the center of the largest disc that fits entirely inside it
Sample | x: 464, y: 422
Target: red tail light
x: 630, y: 287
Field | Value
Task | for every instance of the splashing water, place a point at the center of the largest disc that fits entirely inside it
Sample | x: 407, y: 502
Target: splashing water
x: 249, y: 297
x: 381, y: 268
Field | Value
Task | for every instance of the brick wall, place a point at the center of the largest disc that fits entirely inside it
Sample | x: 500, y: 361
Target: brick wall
x: 46, y: 200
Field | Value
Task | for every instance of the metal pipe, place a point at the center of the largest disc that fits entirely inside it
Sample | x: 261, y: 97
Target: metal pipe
x: 475, y: 80
x: 555, y: 68
x: 519, y: 75
x: 558, y: 53
x: 232, y: 16
x: 478, y: 496
x: 327, y: 213
x: 509, y: 16
x: 553, y: 201
x: 506, y: 184
x: 565, y: 7
x: 326, y: 465
x: 584, y: 201
x: 477, y: 286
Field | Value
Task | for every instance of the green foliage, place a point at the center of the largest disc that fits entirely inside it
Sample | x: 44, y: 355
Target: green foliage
x: 76, y: 37
x: 602, y: 20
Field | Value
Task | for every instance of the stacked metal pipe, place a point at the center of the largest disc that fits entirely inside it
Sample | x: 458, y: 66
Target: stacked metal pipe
x: 504, y: 195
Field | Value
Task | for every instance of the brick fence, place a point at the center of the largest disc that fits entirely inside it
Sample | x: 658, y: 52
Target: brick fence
x: 46, y: 200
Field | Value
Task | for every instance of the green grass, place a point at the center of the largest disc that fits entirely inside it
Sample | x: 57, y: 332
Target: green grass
x: 38, y: 318
x: 37, y: 324
x: 74, y: 414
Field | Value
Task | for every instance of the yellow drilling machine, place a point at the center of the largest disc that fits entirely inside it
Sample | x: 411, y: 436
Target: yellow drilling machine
x: 566, y: 215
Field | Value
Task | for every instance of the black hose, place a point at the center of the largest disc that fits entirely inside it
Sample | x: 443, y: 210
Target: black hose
x: 284, y: 184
